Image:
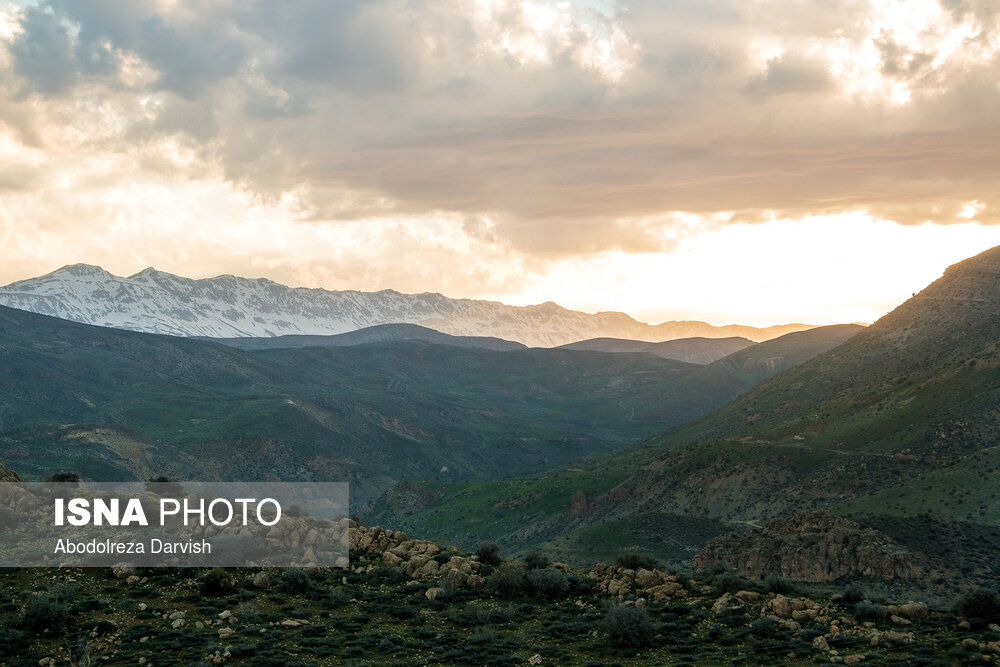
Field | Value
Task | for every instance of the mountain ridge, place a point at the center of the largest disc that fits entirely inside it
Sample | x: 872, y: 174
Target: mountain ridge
x: 228, y: 306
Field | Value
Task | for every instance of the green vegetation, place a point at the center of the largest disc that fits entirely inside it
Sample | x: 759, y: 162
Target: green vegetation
x: 113, y: 405
x: 372, y: 614
x: 899, y: 422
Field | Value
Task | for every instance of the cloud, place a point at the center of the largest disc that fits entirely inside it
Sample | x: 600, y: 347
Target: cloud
x: 569, y: 126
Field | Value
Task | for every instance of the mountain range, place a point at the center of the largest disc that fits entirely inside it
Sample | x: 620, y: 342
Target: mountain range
x: 112, y: 404
x: 226, y: 306
x: 897, y: 426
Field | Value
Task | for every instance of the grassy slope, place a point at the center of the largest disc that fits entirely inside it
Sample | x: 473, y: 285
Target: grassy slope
x: 118, y: 405
x: 535, y: 511
x: 901, y: 416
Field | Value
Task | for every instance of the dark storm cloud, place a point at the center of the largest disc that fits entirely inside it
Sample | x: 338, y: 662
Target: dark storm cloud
x: 380, y: 107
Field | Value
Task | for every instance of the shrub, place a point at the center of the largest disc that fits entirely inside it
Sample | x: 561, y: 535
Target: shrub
x: 295, y: 581
x: 247, y: 612
x: 869, y: 611
x: 764, y: 627
x: 507, y: 582
x: 548, y: 584
x: 63, y: 476
x: 536, y: 561
x: 489, y: 553
x: 980, y: 607
x: 216, y: 583
x: 637, y: 562
x: 12, y: 642
x: 628, y: 626
x: 730, y: 582
x: 45, y: 613
x: 775, y: 583
x: 854, y: 593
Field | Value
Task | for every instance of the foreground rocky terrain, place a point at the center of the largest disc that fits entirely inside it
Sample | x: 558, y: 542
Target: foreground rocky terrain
x: 407, y: 601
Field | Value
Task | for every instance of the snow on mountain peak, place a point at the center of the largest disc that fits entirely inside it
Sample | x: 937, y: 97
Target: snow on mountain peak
x: 230, y: 306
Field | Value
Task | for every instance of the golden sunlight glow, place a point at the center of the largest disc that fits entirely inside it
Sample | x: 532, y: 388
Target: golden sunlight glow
x: 817, y: 270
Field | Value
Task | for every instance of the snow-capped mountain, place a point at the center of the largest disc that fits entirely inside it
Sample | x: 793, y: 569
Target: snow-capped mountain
x: 227, y: 306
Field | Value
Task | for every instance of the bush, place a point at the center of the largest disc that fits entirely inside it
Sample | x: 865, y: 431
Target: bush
x: 637, y: 562
x: 507, y: 582
x: 869, y: 611
x: 63, y: 476
x: 775, y: 583
x: 730, y: 582
x: 628, y: 626
x: 45, y: 613
x: 12, y: 642
x: 980, y: 607
x: 536, y: 561
x: 854, y: 593
x: 295, y: 581
x: 247, y: 612
x: 548, y: 584
x: 765, y: 627
x: 489, y: 553
x: 216, y: 583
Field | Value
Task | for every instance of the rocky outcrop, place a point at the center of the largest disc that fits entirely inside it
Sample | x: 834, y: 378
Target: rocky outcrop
x: 419, y: 559
x: 8, y: 475
x: 620, y: 582
x: 811, y: 546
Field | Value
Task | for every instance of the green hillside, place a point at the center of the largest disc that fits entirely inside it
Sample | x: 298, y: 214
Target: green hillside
x: 520, y: 513
x: 113, y: 404
x: 900, y: 420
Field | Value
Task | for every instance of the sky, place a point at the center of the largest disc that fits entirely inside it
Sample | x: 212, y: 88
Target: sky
x: 746, y: 161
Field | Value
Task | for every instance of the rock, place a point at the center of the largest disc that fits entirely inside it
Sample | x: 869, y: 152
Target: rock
x: 291, y: 623
x: 780, y: 605
x: 429, y: 569
x: 177, y: 623
x: 177, y: 615
x: 854, y: 658
x: 899, y: 620
x: 226, y: 632
x: 225, y: 615
x: 645, y: 578
x: 535, y: 660
x: 261, y: 580
x: 132, y: 580
x: 433, y: 593
x: 747, y: 596
x: 142, y: 606
x: 460, y: 564
x: 820, y: 644
x: 811, y: 546
x: 993, y: 627
x: 8, y: 475
x: 455, y: 578
x: 724, y: 602
x: 913, y: 610
x: 970, y: 643
x: 389, y: 558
